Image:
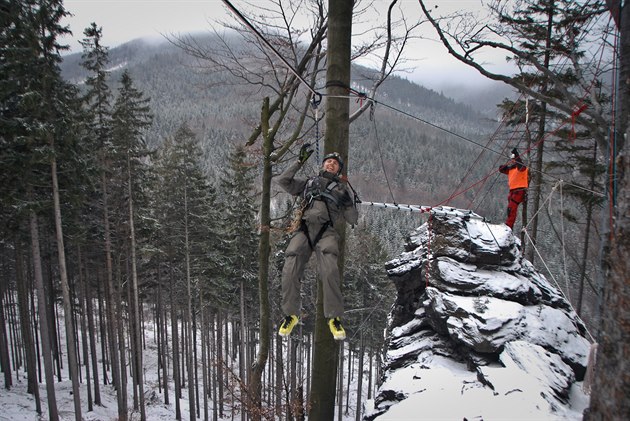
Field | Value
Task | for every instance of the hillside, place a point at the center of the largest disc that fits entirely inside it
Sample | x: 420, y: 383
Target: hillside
x: 395, y: 157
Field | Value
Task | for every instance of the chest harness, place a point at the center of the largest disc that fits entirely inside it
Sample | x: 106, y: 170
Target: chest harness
x: 313, y: 191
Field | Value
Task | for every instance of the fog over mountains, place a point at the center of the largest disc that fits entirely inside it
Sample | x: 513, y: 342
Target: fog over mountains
x: 394, y: 157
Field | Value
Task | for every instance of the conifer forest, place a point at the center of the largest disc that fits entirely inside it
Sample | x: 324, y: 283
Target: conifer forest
x: 142, y: 236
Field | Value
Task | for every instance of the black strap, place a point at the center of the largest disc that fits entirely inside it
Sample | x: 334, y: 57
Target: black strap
x: 320, y: 234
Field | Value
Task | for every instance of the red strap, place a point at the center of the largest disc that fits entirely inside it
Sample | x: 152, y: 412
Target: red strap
x: 574, y: 116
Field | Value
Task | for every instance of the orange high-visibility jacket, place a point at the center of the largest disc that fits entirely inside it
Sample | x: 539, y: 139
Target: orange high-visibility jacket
x: 517, y: 177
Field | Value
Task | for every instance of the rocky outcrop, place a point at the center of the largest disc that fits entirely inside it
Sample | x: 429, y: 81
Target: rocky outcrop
x: 474, y: 318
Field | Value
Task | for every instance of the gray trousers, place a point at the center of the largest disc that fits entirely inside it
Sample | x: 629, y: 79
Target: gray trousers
x: 297, y: 256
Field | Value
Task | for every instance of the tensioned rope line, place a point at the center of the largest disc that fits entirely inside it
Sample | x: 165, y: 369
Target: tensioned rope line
x: 363, y: 96
x: 268, y: 44
x: 482, y: 146
x: 557, y: 284
x: 380, y: 153
x: 514, y: 134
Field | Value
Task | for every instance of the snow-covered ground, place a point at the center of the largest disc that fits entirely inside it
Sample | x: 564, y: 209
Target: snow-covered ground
x: 17, y: 405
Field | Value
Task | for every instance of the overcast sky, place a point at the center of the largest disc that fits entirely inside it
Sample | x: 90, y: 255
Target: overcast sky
x: 124, y: 20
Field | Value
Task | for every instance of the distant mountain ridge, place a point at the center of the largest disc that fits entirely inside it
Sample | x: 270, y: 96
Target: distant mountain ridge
x: 394, y: 155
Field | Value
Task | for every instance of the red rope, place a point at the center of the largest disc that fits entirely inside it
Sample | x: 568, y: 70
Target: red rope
x: 494, y: 171
x: 490, y: 141
x: 426, y: 270
x: 574, y: 116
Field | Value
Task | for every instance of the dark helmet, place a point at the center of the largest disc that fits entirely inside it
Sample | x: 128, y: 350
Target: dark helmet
x: 335, y: 156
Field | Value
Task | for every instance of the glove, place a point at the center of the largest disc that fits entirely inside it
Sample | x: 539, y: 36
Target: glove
x: 305, y: 153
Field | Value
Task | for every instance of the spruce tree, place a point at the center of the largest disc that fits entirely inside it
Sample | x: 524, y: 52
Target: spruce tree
x: 241, y: 245
x: 187, y: 214
x: 39, y: 121
x: 97, y: 99
x: 239, y: 222
x: 130, y: 119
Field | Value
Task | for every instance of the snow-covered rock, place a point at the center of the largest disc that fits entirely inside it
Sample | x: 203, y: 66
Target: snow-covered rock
x: 477, y: 329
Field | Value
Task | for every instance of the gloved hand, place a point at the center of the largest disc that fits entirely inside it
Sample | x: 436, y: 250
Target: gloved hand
x: 305, y: 153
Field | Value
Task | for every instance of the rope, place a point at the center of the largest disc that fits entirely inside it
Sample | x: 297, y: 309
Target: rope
x: 492, y: 138
x: 380, y: 154
x: 366, y: 319
x: 556, y: 283
x: 432, y: 210
x: 543, y: 203
x: 362, y: 96
x: 317, y: 99
x: 488, y: 149
x: 268, y: 44
x: 564, y: 253
x: 428, y: 268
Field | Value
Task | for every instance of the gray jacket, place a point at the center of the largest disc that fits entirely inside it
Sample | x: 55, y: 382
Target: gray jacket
x: 335, y: 201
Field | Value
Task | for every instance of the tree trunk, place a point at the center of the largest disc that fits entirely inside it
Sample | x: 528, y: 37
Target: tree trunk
x: 16, y: 339
x: 84, y: 330
x: 263, y: 267
x: 65, y: 290
x: 609, y: 396
x: 189, y: 342
x: 53, y: 413
x: 538, y: 179
x: 324, y: 374
x: 112, y: 304
x: 25, y: 323
x: 220, y: 360
x: 135, y: 304
x: 340, y: 383
x: 294, y: 409
x: 587, y: 238
x: 279, y: 378
x: 92, y: 334
x: 5, y: 358
x: 162, y: 346
x: 213, y: 369
x: 360, y: 378
x: 122, y: 348
x: 242, y: 349
x: 175, y: 337
x: 204, y: 359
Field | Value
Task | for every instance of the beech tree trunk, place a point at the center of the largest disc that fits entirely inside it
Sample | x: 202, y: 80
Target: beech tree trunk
x: 263, y: 267
x: 324, y: 375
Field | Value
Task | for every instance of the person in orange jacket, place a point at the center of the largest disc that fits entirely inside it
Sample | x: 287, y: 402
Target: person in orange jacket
x: 518, y: 182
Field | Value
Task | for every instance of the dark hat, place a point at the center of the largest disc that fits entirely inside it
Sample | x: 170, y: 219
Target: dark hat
x: 515, y: 152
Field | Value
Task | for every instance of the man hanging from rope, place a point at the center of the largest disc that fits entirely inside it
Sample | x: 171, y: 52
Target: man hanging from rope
x: 518, y: 176
x: 327, y: 202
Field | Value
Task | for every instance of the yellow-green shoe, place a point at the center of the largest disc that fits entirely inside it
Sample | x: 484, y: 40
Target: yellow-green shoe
x: 336, y: 329
x: 287, y: 325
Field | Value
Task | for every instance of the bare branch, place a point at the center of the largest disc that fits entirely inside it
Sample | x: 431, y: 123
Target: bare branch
x: 465, y: 39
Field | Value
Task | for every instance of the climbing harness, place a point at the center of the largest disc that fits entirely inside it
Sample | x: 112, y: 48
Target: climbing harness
x: 313, y: 242
x: 313, y: 191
